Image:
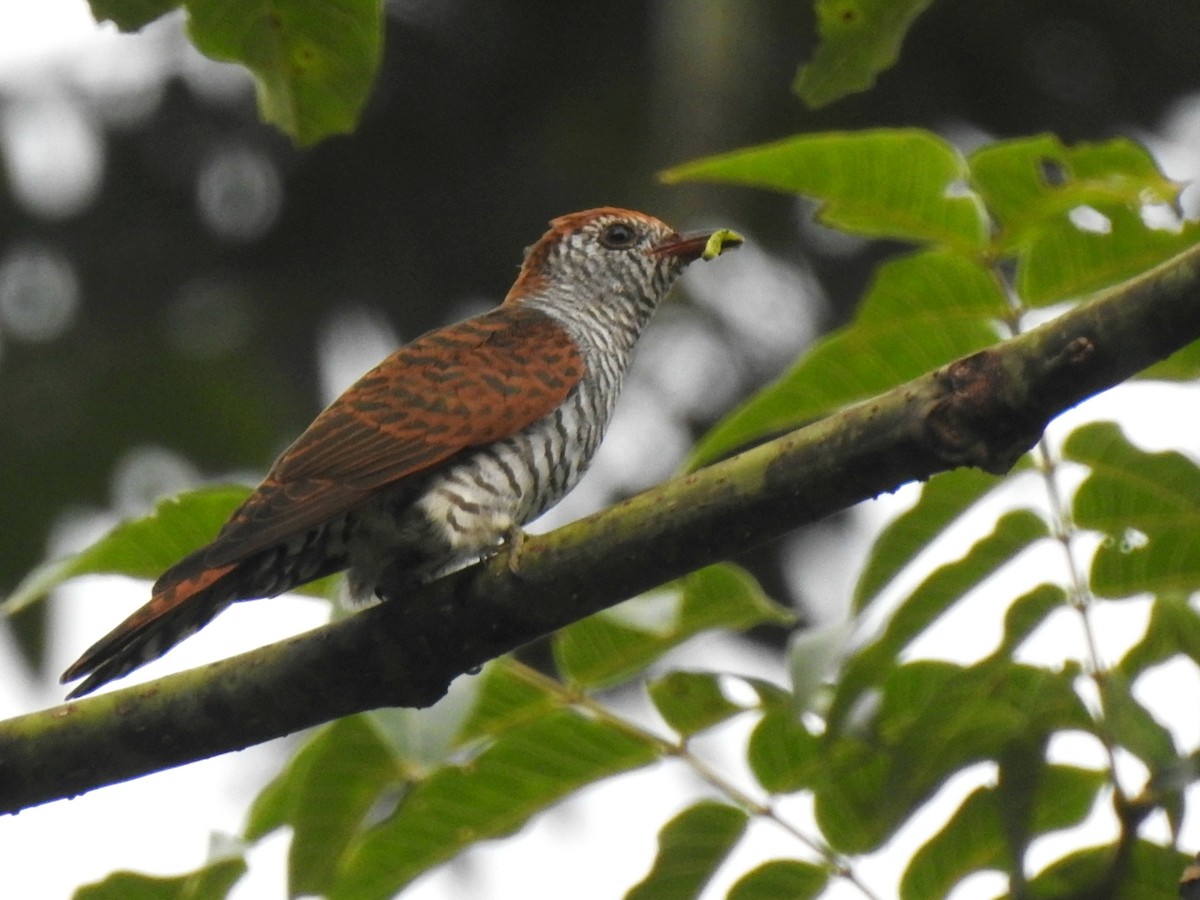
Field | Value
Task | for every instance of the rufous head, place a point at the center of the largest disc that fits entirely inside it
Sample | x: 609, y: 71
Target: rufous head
x: 590, y: 252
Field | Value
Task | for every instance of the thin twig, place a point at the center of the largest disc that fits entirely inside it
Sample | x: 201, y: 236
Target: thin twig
x: 679, y: 749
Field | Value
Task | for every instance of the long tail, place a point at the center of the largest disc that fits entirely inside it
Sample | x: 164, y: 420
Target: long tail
x: 174, y: 612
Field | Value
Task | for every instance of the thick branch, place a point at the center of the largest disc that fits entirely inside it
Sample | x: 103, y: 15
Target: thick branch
x: 984, y: 410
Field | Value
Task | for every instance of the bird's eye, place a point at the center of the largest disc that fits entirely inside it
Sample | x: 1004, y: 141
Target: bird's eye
x: 618, y: 236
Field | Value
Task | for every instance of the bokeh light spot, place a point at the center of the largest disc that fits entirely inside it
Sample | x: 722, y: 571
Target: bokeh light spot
x: 239, y: 193
x: 53, y: 153
x: 39, y: 293
x: 354, y: 340
x: 144, y: 475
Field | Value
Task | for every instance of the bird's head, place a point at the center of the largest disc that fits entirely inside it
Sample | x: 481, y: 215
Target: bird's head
x: 608, y: 250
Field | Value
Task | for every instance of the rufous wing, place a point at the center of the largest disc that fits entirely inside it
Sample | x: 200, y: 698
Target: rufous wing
x: 453, y: 389
x: 462, y: 386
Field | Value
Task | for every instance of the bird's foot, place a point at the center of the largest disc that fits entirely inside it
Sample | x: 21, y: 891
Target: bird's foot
x: 514, y: 542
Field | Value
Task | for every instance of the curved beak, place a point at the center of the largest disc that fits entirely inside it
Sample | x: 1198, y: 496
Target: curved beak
x: 703, y: 245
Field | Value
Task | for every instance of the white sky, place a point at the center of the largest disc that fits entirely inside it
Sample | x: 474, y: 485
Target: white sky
x: 32, y: 32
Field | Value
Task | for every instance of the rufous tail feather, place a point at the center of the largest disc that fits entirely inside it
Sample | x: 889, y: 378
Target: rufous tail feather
x: 171, y: 615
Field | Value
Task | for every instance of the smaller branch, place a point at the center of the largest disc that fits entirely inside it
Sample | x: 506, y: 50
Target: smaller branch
x: 984, y: 410
x: 1080, y: 594
x: 1082, y: 601
x: 838, y: 865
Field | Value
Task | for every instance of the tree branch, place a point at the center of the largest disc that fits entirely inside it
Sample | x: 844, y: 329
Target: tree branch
x: 984, y: 410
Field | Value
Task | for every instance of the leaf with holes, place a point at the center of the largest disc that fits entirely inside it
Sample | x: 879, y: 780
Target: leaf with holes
x: 1029, y: 182
x: 1075, y: 218
x: 314, y: 61
x: 859, y: 39
x: 1147, y: 505
x: 1108, y: 245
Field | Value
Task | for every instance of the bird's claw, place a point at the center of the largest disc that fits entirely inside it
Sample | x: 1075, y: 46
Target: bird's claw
x: 514, y: 543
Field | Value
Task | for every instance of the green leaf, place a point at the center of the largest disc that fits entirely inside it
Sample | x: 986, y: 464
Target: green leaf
x: 859, y: 38
x: 131, y: 15
x: 211, y: 882
x: 690, y: 848
x: 614, y: 645
x: 424, y: 738
x: 1133, y: 726
x: 1025, y: 614
x: 899, y: 183
x: 921, y: 311
x: 939, y: 716
x: 1034, y: 798
x: 691, y: 701
x: 1032, y: 186
x: 972, y: 839
x: 1066, y: 261
x: 850, y: 795
x: 139, y: 548
x: 1064, y: 797
x: 314, y: 61
x: 324, y: 794
x: 1148, y: 872
x: 510, y: 694
x: 1148, y: 507
x: 1030, y: 181
x: 526, y: 768
x: 780, y: 878
x: 783, y: 754
x: 1182, y: 365
x: 934, y: 718
x: 770, y: 695
x: 943, y: 499
x: 1022, y: 765
x: 1174, y: 628
x: 945, y: 586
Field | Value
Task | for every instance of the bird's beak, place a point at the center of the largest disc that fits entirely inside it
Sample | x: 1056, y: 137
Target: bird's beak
x: 705, y: 245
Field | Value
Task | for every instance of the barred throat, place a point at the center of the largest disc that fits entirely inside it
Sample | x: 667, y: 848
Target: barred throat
x: 607, y: 323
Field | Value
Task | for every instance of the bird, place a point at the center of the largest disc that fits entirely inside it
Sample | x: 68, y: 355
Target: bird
x: 439, y: 455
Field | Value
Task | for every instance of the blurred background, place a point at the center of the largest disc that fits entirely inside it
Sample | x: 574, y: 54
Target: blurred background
x: 181, y: 289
